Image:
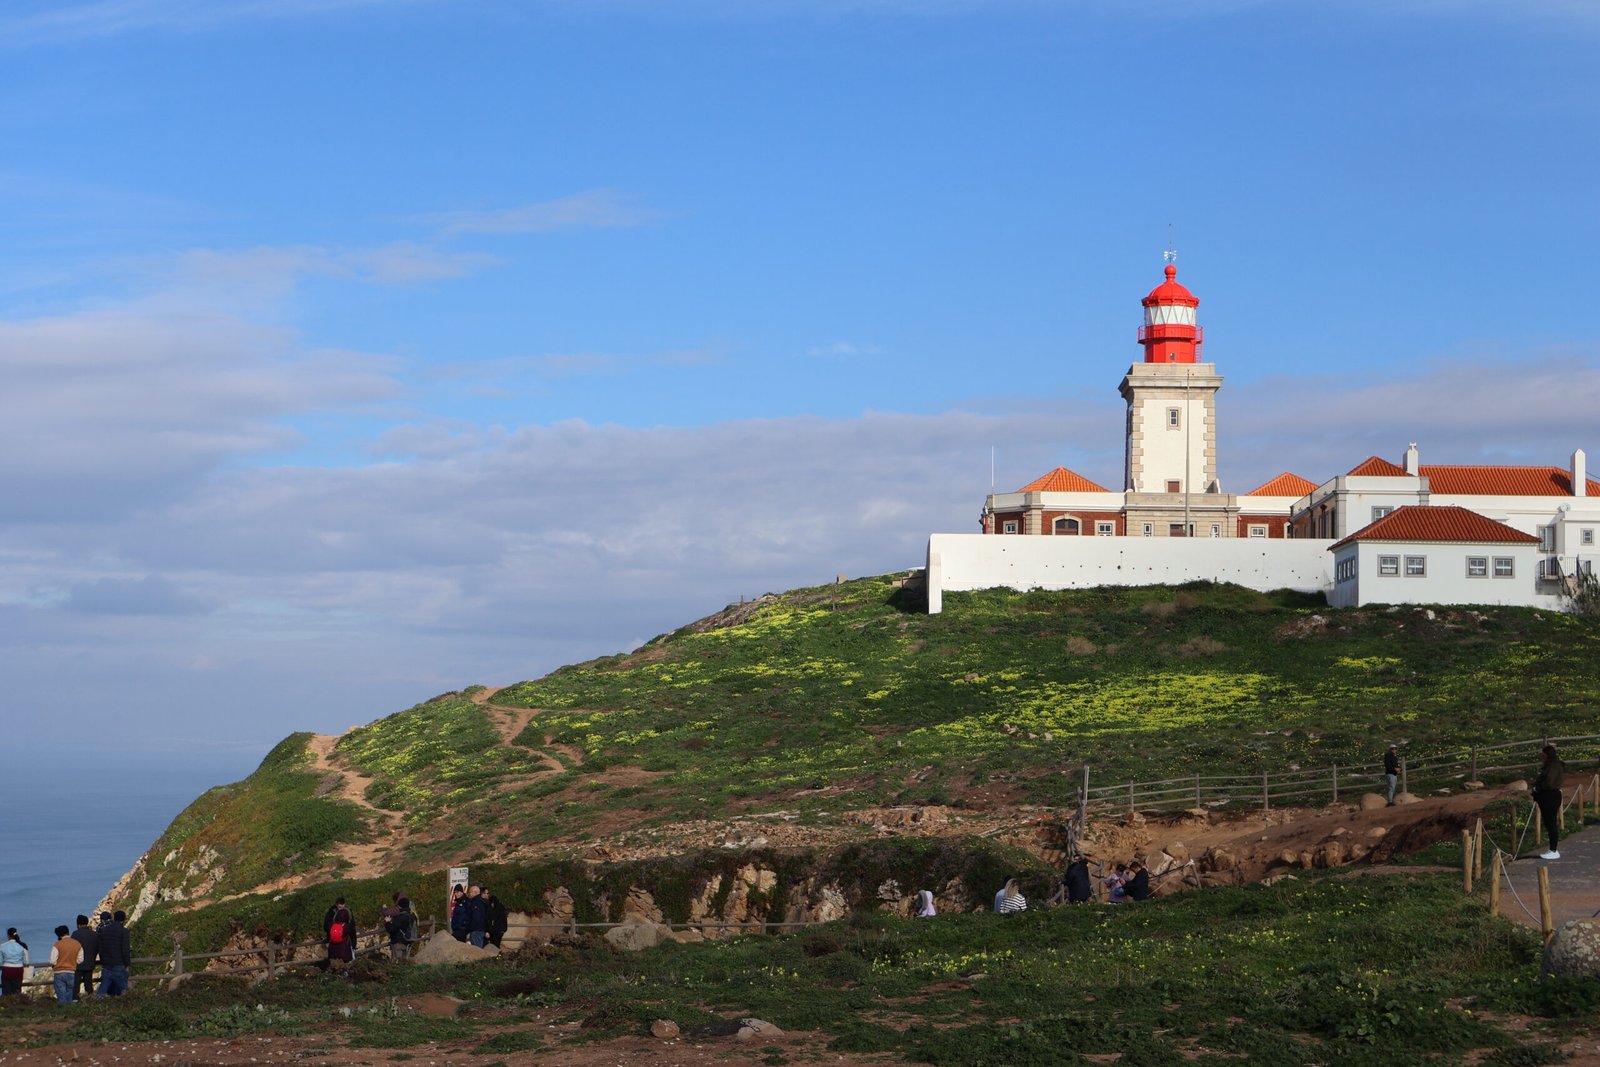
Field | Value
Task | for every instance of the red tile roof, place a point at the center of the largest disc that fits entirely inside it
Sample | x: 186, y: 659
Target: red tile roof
x: 1285, y: 484
x: 1502, y: 481
x: 1373, y: 466
x: 1062, y: 480
x: 1439, y: 523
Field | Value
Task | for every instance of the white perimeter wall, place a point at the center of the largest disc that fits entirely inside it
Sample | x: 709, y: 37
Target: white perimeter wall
x: 959, y: 562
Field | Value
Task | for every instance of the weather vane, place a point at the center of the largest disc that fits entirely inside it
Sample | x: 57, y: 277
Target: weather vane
x: 1171, y: 254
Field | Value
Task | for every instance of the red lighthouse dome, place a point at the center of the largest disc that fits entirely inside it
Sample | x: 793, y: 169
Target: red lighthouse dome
x: 1169, y: 333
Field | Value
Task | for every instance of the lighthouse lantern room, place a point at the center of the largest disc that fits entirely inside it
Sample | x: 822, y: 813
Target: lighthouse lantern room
x: 1169, y: 333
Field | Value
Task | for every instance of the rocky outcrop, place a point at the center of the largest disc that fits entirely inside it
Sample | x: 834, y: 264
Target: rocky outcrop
x: 1574, y: 951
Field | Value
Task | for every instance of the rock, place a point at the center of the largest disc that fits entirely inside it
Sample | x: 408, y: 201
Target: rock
x: 178, y: 981
x: 1178, y: 851
x: 1338, y: 831
x: 1406, y: 798
x: 1307, y: 860
x: 1160, y: 863
x: 1574, y: 951
x: 1331, y: 854
x: 1280, y: 877
x: 1472, y: 785
x: 1219, y: 859
x: 665, y: 1029
x: 1288, y: 857
x: 1372, y: 801
x: 1442, y: 792
x: 1357, y: 853
x: 443, y: 949
x: 640, y: 907
x: 753, y: 1029
x: 1377, y: 831
x: 632, y: 937
x: 435, y: 1004
x: 1518, y: 786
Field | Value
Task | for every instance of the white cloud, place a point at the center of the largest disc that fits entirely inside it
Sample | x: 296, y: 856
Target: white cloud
x: 592, y: 209
x: 843, y: 350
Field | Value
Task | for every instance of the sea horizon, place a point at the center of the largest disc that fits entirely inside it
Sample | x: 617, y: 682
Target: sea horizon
x: 66, y: 847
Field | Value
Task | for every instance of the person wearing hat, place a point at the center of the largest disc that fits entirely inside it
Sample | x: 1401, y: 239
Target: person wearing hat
x: 1547, y: 794
x: 1391, y: 772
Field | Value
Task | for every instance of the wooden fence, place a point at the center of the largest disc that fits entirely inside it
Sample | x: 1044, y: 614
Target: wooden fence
x: 1313, y: 785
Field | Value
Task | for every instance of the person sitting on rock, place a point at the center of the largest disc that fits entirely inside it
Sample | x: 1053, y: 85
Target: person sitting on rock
x: 1011, y: 898
x: 1138, y: 884
x: 1115, y: 894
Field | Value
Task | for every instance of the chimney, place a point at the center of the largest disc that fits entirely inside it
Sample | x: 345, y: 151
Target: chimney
x: 1412, y: 464
x: 1580, y: 474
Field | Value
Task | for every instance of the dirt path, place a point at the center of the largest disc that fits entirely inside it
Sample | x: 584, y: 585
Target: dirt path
x: 511, y: 721
x: 388, y: 830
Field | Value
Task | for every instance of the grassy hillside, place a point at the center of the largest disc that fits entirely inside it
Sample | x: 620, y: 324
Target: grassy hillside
x: 845, y: 696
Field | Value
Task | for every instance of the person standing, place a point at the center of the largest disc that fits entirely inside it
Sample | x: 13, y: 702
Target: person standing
x: 1077, y: 878
x: 85, y: 936
x: 477, y: 921
x: 499, y: 920
x: 116, y: 955
x: 925, y: 908
x: 13, y: 963
x: 459, y: 925
x: 64, y: 956
x: 402, y: 927
x: 1391, y: 772
x: 339, y: 928
x: 1547, y: 794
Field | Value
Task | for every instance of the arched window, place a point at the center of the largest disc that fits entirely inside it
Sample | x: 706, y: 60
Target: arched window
x: 1069, y: 527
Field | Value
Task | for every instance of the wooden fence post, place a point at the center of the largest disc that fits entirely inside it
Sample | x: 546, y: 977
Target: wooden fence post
x: 1477, y: 851
x: 1266, y: 793
x: 1197, y: 790
x: 1404, y: 787
x: 1336, y: 783
x: 1494, y: 886
x: 1547, y: 923
x: 177, y: 953
x: 1538, y: 826
x: 272, y: 959
x: 1474, y: 763
x: 1466, y: 860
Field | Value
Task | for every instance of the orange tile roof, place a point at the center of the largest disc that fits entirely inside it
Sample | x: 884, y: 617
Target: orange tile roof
x: 1373, y: 466
x: 1285, y: 484
x: 1062, y: 480
x: 1439, y: 523
x: 1502, y: 481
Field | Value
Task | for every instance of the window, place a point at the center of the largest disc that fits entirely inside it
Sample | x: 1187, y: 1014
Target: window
x: 1389, y: 565
x: 1378, y: 513
x: 1505, y: 567
x: 1547, y: 539
x: 1010, y: 527
x: 1149, y: 529
x: 1174, y: 485
x: 1258, y: 531
x: 1586, y: 537
x: 1416, y: 566
x: 1477, y: 566
x: 1345, y: 570
x: 1067, y: 526
x: 1105, y: 529
x: 1216, y: 531
x: 1174, y: 418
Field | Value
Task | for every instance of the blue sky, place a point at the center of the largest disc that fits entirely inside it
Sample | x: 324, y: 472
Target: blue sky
x: 356, y: 351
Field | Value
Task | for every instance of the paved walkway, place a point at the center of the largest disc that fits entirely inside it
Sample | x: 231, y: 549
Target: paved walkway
x: 1574, y: 878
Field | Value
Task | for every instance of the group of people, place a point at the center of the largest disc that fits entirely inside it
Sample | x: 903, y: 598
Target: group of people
x: 73, y: 958
x: 399, y: 922
x: 477, y: 917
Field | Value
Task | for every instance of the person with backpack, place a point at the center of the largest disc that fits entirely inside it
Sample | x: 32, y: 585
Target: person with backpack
x: 402, y: 929
x: 340, y: 928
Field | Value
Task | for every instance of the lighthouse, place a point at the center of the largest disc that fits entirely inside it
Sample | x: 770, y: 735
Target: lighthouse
x: 1170, y: 469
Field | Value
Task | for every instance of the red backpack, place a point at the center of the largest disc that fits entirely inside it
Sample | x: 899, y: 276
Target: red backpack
x: 336, y: 933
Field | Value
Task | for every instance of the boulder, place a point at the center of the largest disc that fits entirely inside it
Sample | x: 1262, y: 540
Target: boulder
x: 1377, y: 831
x: 1472, y: 785
x: 665, y: 1029
x: 1406, y: 798
x: 757, y: 1029
x: 444, y: 949
x: 633, y: 936
x: 1178, y: 851
x: 1574, y: 951
x: 1288, y: 857
x: 1331, y: 854
x: 1518, y: 786
x: 1219, y: 859
x: 1372, y: 801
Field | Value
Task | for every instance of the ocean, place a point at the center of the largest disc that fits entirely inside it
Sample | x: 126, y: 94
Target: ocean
x: 61, y: 850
